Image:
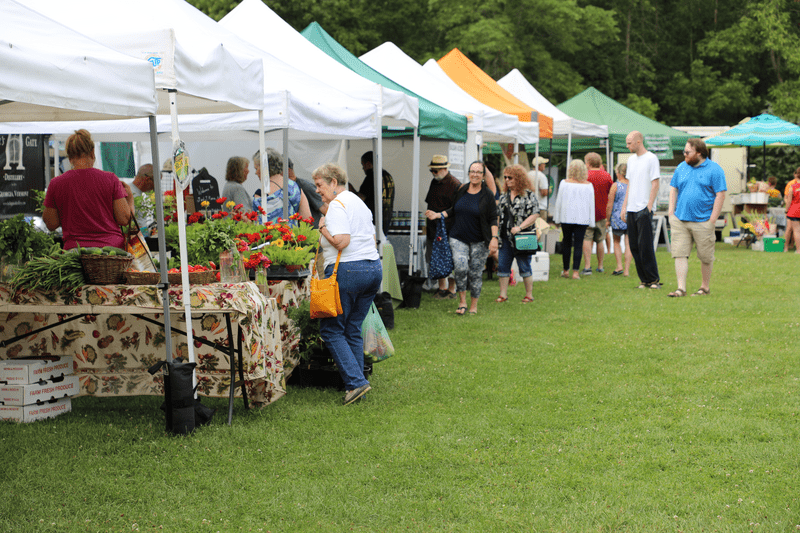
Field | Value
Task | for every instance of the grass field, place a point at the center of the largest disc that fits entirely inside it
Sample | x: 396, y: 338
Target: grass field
x: 597, y: 408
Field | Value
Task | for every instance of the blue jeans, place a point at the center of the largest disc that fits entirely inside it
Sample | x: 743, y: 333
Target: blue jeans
x: 640, y: 235
x: 359, y: 282
x: 506, y: 257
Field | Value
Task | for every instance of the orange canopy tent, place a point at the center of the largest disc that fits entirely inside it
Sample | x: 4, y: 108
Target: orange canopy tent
x: 483, y: 88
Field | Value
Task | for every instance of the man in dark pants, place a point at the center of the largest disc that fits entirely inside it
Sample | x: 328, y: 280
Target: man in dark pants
x: 367, y: 191
x: 637, y: 209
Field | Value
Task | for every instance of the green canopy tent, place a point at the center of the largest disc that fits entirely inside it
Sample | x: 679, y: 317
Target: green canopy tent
x: 593, y: 106
x: 435, y: 122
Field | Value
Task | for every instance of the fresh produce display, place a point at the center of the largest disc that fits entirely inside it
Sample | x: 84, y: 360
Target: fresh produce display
x: 57, y: 270
x: 105, y: 250
x: 20, y: 241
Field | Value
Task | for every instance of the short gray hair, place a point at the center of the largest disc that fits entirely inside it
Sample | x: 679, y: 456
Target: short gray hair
x: 274, y: 161
x: 329, y: 172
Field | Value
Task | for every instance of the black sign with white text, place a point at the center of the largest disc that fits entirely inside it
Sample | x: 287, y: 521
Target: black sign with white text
x: 21, y: 172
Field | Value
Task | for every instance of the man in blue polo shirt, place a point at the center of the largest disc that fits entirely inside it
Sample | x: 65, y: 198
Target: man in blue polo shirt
x: 697, y: 191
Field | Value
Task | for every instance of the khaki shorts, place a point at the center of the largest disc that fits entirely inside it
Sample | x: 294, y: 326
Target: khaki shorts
x: 682, y: 234
x: 597, y: 233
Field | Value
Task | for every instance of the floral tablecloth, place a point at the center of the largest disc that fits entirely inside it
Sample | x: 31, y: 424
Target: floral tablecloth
x: 112, y: 349
x: 289, y: 293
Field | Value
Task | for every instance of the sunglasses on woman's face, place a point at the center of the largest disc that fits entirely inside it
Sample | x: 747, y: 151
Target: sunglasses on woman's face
x: 509, y: 177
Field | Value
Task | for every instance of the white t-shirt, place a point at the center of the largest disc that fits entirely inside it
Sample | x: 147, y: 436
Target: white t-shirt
x: 540, y: 181
x: 642, y: 170
x: 349, y: 215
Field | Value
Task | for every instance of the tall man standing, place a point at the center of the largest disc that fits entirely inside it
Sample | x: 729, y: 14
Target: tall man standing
x: 602, y: 182
x: 697, y: 191
x: 637, y: 209
x: 367, y: 191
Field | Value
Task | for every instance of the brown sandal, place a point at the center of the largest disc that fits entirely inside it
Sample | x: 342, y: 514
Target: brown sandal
x: 501, y: 299
x: 677, y: 293
x: 702, y: 292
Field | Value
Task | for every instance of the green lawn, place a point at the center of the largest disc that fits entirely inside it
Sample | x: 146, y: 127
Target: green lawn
x: 599, y: 407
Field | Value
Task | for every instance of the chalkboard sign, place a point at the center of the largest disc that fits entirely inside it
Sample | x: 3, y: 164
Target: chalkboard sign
x: 21, y: 173
x: 205, y: 188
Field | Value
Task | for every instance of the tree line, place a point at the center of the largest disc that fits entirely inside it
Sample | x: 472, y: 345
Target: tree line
x: 681, y: 62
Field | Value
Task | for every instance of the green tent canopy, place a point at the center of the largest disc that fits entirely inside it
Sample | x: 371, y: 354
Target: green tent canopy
x: 435, y: 122
x: 593, y: 106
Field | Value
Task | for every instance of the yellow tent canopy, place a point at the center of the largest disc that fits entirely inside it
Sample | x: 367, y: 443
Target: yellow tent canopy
x: 483, y: 88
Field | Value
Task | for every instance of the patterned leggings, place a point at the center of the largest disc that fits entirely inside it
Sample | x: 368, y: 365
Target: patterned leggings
x: 469, y: 261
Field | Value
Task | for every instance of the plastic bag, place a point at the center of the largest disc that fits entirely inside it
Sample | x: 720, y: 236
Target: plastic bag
x: 377, y: 344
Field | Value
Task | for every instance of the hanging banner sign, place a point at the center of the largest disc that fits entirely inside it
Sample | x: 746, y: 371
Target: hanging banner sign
x: 659, y: 145
x: 181, y: 165
x: 21, y: 173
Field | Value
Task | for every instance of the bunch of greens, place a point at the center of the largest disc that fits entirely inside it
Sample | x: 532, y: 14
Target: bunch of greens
x: 57, y: 270
x: 20, y: 241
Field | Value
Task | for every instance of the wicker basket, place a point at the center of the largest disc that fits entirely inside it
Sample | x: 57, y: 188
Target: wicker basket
x: 153, y: 278
x: 104, y: 269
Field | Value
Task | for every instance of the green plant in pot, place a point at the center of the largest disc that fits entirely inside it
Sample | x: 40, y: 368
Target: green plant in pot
x: 311, y: 345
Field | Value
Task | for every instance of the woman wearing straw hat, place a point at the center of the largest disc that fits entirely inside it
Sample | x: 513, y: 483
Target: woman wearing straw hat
x: 441, y: 196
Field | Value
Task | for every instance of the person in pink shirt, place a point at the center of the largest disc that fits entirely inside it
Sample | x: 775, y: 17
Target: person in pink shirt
x: 602, y: 183
x: 89, y: 204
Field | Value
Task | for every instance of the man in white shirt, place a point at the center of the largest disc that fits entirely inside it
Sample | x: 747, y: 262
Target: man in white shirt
x: 540, y: 184
x: 637, y: 209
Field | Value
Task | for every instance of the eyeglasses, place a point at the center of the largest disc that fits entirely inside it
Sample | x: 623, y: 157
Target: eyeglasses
x: 478, y: 172
x: 509, y: 177
x: 434, y: 170
x: 686, y: 152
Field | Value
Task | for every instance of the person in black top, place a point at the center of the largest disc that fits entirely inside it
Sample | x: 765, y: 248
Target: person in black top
x: 474, y: 234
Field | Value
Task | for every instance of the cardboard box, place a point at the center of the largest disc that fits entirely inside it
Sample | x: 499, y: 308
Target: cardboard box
x: 549, y: 240
x: 39, y: 392
x: 31, y: 370
x: 540, y: 265
x: 31, y: 413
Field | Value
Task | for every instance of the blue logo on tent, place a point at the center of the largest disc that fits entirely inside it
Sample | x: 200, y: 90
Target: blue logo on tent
x: 154, y: 60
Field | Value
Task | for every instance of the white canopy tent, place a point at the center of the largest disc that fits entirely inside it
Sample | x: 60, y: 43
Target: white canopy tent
x: 563, y: 124
x: 77, y: 78
x: 486, y: 123
x: 256, y: 23
x: 292, y: 102
x: 191, y: 69
x: 261, y: 26
x: 433, y: 68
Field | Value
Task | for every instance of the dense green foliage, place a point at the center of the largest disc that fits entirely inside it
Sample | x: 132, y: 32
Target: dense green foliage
x: 688, y: 62
x: 20, y: 240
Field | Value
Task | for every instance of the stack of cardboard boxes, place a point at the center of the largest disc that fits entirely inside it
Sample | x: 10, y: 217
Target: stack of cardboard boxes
x: 36, y: 388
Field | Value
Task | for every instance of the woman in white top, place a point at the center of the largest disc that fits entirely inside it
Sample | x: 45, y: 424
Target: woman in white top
x: 575, y: 212
x: 347, y: 228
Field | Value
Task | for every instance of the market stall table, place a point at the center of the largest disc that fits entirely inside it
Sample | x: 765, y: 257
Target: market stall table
x: 113, y: 348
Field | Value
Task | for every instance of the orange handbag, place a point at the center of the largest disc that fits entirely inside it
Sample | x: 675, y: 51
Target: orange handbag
x: 325, y: 302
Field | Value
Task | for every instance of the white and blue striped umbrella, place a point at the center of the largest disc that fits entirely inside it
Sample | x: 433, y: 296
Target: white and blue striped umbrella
x: 763, y: 130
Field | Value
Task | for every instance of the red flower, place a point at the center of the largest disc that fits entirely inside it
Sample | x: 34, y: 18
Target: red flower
x: 301, y: 238
x: 222, y: 200
x: 237, y: 207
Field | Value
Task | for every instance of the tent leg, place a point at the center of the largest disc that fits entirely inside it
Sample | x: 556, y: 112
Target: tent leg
x: 162, y: 247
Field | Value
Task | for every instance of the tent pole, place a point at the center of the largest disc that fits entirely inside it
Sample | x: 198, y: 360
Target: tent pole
x: 569, y: 148
x: 187, y: 306
x: 162, y: 247
x: 764, y: 159
x: 414, y: 226
x: 262, y: 157
x: 377, y: 177
x: 285, y: 174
